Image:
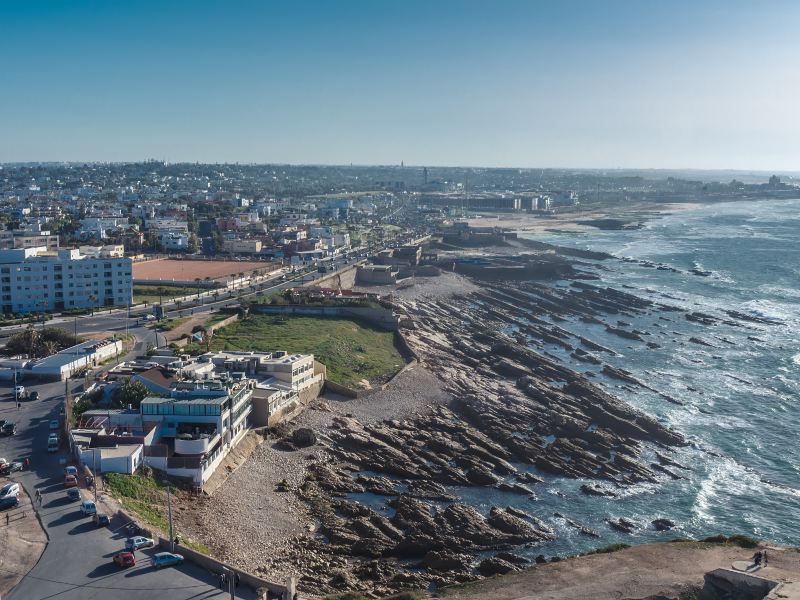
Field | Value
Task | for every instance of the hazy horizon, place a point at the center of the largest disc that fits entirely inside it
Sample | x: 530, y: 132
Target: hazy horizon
x: 617, y: 86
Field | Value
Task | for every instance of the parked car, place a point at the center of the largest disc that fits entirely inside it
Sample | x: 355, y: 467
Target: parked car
x: 101, y: 520
x: 9, y: 489
x: 88, y: 508
x: 70, y: 481
x: 166, y: 559
x: 19, y: 391
x: 124, y: 559
x: 33, y: 396
x: 8, y: 502
x: 9, y: 428
x: 137, y: 542
x: 54, y: 424
x: 71, y: 470
x: 73, y: 494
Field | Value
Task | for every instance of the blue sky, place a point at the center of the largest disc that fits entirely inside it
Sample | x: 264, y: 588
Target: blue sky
x: 498, y: 83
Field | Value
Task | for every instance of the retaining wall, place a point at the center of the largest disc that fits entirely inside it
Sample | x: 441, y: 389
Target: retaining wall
x: 343, y: 279
x: 380, y: 317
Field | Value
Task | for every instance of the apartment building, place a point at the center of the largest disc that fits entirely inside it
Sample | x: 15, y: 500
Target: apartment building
x: 33, y: 280
x: 22, y: 238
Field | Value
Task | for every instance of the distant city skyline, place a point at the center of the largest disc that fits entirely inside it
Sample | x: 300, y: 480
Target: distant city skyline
x: 577, y: 84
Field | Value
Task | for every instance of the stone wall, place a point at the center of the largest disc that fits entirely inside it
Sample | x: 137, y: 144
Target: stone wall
x: 379, y: 317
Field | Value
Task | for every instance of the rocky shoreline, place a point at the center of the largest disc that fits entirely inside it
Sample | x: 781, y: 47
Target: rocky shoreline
x: 504, y: 412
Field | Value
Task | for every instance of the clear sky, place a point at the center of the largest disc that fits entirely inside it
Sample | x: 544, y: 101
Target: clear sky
x: 640, y: 83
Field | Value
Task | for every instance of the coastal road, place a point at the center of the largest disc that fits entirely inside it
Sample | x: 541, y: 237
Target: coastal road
x: 76, y: 565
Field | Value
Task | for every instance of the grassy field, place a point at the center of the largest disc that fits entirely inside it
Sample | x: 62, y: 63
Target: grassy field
x: 146, y: 497
x: 170, y: 324
x: 150, y: 293
x: 351, y: 350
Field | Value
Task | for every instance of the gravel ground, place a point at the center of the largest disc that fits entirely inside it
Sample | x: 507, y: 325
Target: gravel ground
x: 425, y: 288
x: 247, y: 522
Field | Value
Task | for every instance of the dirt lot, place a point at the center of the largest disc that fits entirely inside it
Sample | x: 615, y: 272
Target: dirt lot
x: 187, y: 270
x: 22, y: 542
x: 652, y: 570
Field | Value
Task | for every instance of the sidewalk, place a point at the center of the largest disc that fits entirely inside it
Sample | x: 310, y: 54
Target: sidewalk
x: 22, y: 540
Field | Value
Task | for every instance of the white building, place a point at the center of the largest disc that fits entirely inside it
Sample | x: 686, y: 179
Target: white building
x: 69, y: 361
x: 33, y: 280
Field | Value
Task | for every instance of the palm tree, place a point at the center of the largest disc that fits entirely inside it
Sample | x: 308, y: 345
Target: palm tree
x: 92, y: 299
x: 49, y: 347
x: 197, y: 281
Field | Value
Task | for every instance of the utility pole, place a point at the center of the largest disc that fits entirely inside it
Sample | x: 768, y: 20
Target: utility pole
x: 169, y: 514
x: 94, y: 473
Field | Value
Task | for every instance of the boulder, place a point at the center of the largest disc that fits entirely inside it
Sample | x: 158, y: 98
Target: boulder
x: 442, y: 560
x: 663, y: 524
x: 495, y: 566
x: 303, y: 437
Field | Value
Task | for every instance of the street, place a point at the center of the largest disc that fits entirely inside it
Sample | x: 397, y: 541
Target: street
x: 76, y: 565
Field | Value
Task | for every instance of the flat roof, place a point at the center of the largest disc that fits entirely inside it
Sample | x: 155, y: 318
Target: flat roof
x: 119, y: 451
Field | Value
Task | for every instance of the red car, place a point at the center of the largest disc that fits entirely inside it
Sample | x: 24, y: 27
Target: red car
x: 70, y: 481
x: 124, y: 559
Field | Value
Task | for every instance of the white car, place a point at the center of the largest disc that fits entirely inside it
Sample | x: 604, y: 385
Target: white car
x: 88, y: 508
x: 54, y: 424
x: 19, y: 390
x: 9, y: 489
x: 53, y: 437
x: 135, y: 543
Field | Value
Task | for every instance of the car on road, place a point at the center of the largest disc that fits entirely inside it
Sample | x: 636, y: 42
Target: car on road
x: 19, y: 391
x: 53, y: 437
x: 33, y: 396
x: 73, y: 494
x: 8, y: 468
x: 71, y: 470
x: 124, y: 559
x: 88, y: 508
x: 9, y: 428
x: 9, y: 489
x: 101, y: 520
x: 137, y: 542
x: 8, y: 502
x: 55, y: 424
x: 166, y: 559
x: 52, y: 445
x: 70, y: 481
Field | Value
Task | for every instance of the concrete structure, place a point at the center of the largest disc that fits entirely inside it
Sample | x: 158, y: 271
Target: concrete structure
x: 376, y: 275
x: 71, y: 360
x: 19, y: 238
x: 242, y: 246
x: 33, y: 280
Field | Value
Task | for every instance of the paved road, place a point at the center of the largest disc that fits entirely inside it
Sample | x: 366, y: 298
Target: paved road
x: 76, y: 564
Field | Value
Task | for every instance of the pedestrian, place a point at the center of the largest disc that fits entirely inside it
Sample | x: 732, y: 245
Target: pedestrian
x: 764, y: 558
x: 236, y: 579
x: 19, y: 405
x: 221, y: 580
x: 26, y: 462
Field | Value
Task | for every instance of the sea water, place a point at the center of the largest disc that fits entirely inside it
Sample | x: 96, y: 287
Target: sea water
x: 741, y: 397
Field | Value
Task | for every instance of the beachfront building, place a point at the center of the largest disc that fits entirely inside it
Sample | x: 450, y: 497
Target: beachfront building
x: 35, y: 280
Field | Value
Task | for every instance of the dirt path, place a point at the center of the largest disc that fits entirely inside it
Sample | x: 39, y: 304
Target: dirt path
x: 185, y: 328
x: 651, y: 570
x: 22, y: 542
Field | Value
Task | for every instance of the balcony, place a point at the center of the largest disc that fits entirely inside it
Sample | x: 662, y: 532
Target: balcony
x: 196, y: 442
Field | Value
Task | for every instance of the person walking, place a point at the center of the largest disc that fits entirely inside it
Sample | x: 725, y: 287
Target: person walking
x: 221, y: 581
x: 764, y: 558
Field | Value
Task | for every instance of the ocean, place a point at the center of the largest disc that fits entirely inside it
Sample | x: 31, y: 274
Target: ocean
x: 740, y: 395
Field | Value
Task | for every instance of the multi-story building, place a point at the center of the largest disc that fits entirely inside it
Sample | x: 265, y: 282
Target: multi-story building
x: 19, y: 238
x: 32, y: 280
x: 238, y: 246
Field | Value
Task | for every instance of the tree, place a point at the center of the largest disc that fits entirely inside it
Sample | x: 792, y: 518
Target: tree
x: 131, y: 392
x: 42, y: 342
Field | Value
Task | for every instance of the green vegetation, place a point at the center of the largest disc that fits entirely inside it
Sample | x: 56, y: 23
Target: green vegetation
x: 145, y: 496
x: 156, y: 293
x: 142, y: 495
x: 609, y: 549
x: 217, y: 317
x: 130, y: 392
x: 743, y: 541
x: 170, y: 324
x: 357, y: 596
x: 351, y: 350
x: 38, y: 343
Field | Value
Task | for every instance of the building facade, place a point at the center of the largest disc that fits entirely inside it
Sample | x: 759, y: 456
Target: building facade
x: 32, y: 280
